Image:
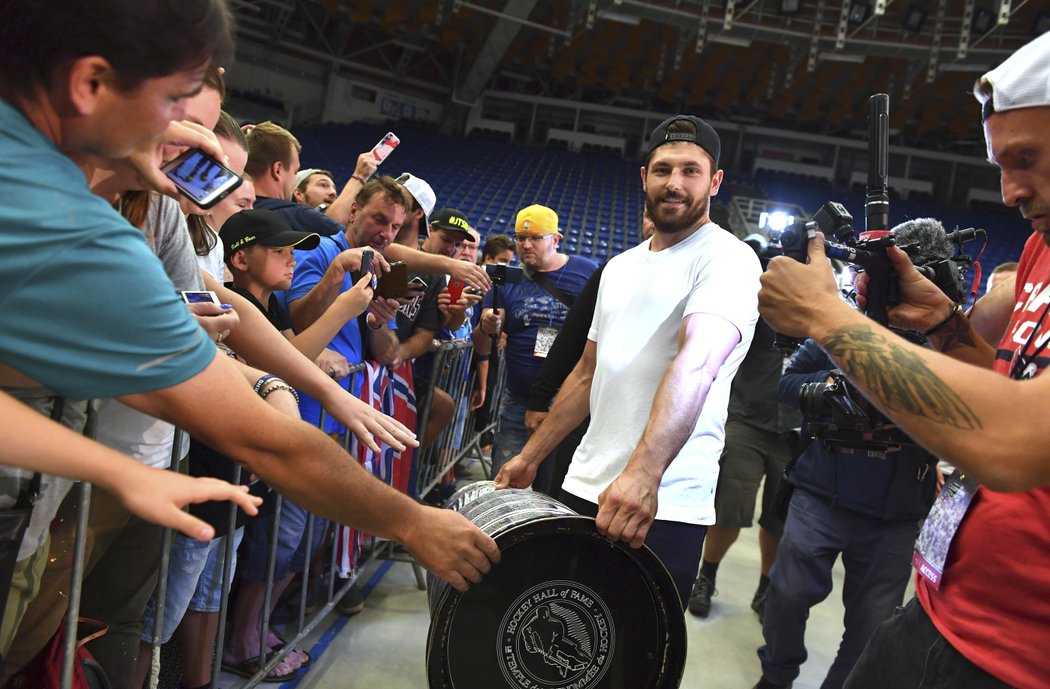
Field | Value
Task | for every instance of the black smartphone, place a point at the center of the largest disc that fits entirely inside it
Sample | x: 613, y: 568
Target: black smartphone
x: 393, y: 283
x: 201, y: 178
x: 366, y: 265
x: 503, y: 274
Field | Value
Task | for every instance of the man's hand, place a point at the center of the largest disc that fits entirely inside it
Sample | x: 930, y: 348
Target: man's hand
x: 353, y: 302
x: 366, y: 165
x: 382, y: 310
x: 472, y: 274
x: 148, y: 158
x: 796, y: 296
x: 923, y: 305
x: 517, y: 473
x: 454, y: 314
x: 477, y: 398
x: 452, y: 548
x: 627, y: 508
x: 333, y: 363
x: 365, y: 421
x: 533, y: 419
x: 349, y: 261
x: 158, y: 496
x: 490, y: 322
x: 216, y: 320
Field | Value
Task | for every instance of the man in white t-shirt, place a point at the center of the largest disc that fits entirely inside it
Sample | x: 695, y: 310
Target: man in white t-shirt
x: 674, y: 319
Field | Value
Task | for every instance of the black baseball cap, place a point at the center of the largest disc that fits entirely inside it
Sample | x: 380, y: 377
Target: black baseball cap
x: 705, y: 137
x: 452, y: 220
x: 265, y: 228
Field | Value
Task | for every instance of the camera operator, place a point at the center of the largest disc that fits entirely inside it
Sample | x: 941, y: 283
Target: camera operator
x: 864, y: 504
x: 983, y: 623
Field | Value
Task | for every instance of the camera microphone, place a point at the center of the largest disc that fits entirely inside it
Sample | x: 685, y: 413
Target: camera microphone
x: 924, y: 239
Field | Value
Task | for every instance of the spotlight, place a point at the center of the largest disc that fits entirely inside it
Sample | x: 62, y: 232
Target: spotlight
x: 776, y: 221
x: 858, y: 12
x: 914, y: 18
x: 982, y: 20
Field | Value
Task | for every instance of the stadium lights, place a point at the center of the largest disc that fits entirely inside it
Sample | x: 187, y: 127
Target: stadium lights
x: 776, y: 221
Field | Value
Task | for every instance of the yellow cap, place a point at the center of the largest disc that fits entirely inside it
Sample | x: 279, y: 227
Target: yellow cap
x: 537, y: 219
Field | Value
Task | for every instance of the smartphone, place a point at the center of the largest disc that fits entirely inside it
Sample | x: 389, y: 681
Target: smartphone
x: 366, y: 265
x: 393, y: 283
x: 503, y: 274
x: 199, y: 297
x: 455, y: 289
x: 385, y: 147
x: 201, y: 178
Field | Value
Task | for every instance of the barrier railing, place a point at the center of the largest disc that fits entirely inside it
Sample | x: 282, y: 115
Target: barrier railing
x: 452, y: 373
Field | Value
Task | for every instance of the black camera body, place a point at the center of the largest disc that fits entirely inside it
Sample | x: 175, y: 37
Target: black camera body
x: 503, y: 274
x: 840, y: 417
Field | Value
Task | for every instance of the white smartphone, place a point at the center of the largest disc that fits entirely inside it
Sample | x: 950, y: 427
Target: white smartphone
x: 201, y: 296
x: 201, y: 178
x: 385, y: 147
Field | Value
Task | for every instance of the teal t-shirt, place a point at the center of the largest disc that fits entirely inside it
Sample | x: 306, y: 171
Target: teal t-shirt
x: 85, y: 307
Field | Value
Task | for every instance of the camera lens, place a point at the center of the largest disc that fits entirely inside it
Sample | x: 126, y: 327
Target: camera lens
x: 811, y: 400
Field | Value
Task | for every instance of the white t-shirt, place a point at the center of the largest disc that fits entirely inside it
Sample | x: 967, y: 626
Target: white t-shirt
x: 213, y: 264
x: 642, y: 300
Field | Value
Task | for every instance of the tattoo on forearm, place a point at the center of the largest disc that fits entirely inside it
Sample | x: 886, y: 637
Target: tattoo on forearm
x: 956, y: 333
x: 897, y: 378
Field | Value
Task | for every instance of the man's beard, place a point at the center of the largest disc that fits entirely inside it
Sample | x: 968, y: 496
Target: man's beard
x: 690, y: 217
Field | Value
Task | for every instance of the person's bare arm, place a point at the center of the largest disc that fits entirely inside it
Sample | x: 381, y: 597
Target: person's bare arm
x: 991, y: 314
x: 436, y: 264
x: 30, y: 440
x: 340, y: 208
x: 627, y: 508
x: 346, y: 307
x: 570, y: 407
x: 417, y: 344
x: 964, y: 414
x: 307, y: 309
x: 308, y: 467
x: 382, y: 341
x: 267, y: 349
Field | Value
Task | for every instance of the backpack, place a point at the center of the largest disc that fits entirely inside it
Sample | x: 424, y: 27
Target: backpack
x: 45, y: 670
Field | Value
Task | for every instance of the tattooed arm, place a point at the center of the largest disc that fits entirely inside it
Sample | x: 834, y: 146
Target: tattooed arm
x: 983, y: 422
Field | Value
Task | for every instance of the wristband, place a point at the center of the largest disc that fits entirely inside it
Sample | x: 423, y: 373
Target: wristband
x: 359, y: 178
x: 280, y: 386
x: 375, y: 330
x: 481, y: 357
x: 261, y: 383
x: 956, y: 310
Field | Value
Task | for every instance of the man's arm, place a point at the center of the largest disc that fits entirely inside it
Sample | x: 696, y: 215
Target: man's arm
x: 420, y: 262
x: 991, y: 314
x: 340, y: 208
x: 311, y: 469
x: 265, y: 348
x: 347, y: 306
x: 305, y: 310
x: 627, y: 508
x: 383, y: 346
x: 982, y: 422
x: 30, y: 440
x: 570, y: 408
x: 418, y: 343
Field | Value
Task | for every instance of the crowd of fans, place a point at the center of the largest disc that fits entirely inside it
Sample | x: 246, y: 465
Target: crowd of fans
x: 617, y: 388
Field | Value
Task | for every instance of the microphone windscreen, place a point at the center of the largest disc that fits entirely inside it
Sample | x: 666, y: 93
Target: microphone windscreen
x: 929, y: 240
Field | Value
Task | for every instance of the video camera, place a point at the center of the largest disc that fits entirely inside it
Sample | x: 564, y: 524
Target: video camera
x: 838, y: 415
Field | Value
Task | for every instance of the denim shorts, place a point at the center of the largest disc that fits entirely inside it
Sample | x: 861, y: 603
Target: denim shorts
x: 291, y: 543
x: 194, y: 581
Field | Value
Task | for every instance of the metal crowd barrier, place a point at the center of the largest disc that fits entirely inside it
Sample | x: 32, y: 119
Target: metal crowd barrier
x: 452, y: 372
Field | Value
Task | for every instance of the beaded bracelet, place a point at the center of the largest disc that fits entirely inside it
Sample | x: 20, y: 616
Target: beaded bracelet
x: 359, y: 178
x: 280, y: 386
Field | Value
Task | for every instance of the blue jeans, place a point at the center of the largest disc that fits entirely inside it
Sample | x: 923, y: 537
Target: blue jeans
x: 194, y: 581
x: 291, y: 546
x: 877, y: 557
x: 907, y: 652
x: 510, y: 437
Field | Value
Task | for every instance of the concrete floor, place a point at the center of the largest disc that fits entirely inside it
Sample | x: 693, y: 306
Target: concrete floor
x: 384, y: 646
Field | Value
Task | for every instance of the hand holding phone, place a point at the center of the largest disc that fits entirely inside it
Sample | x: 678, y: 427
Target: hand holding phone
x: 393, y: 283
x: 385, y: 147
x: 455, y: 289
x: 201, y: 178
x: 203, y: 296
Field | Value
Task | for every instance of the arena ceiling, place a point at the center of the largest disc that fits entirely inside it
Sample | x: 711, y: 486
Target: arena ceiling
x: 808, y: 65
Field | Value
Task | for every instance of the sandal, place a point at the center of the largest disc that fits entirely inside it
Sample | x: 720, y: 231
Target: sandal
x: 283, y: 672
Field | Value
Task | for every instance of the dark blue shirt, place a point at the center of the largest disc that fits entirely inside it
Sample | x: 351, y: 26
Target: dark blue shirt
x: 300, y: 217
x: 529, y: 307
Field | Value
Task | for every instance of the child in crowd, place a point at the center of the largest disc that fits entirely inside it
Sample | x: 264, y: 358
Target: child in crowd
x: 258, y: 246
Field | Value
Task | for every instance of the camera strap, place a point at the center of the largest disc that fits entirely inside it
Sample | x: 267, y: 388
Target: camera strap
x: 543, y: 281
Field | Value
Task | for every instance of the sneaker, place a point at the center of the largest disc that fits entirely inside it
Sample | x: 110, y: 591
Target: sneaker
x: 764, y: 683
x: 351, y: 603
x: 758, y: 604
x: 700, y: 598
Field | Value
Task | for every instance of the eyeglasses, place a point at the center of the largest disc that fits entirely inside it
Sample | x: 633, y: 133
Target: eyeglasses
x: 522, y: 238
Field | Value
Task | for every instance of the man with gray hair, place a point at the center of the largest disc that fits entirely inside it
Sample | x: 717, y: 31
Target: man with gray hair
x: 980, y: 614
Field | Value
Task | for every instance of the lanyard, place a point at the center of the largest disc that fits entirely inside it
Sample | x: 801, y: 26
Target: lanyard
x: 1021, y: 360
